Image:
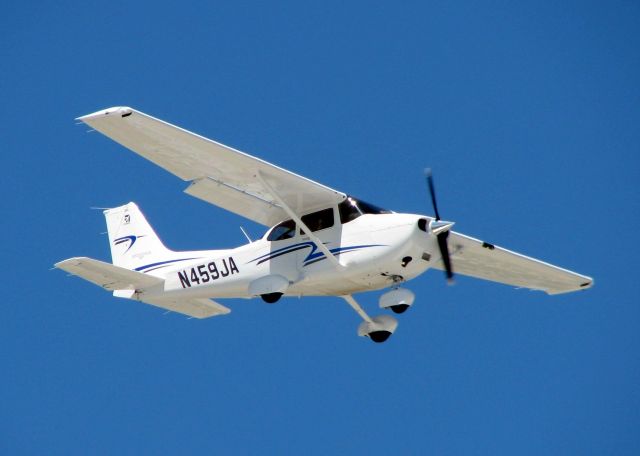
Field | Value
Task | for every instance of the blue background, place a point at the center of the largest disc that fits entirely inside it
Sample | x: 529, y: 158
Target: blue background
x: 528, y: 114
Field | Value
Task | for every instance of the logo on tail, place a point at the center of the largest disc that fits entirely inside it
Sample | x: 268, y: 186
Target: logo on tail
x: 122, y: 240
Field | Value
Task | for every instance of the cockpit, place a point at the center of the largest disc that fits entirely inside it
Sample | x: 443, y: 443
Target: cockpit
x: 348, y: 210
x: 351, y: 208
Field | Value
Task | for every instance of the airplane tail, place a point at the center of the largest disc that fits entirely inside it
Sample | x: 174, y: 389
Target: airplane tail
x: 133, y: 242
x: 135, y: 250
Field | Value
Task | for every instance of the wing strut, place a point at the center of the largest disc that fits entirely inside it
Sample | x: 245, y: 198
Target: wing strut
x: 354, y: 304
x: 323, y: 248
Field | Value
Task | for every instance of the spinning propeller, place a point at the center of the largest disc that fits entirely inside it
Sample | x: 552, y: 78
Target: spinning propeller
x: 440, y: 229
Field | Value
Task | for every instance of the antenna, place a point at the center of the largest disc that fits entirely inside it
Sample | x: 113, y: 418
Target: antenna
x: 246, y: 235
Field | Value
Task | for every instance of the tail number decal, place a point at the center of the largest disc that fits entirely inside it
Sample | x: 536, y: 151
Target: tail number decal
x: 205, y: 273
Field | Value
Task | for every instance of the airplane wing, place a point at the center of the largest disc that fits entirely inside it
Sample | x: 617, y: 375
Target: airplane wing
x: 217, y: 174
x: 476, y: 258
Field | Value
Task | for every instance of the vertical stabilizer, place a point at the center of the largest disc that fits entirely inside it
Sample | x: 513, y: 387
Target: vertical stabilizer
x: 133, y: 242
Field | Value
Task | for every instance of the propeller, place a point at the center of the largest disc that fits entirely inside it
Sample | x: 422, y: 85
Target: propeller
x: 440, y: 229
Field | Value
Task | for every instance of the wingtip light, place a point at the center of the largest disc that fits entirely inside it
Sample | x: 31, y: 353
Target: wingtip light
x: 122, y: 111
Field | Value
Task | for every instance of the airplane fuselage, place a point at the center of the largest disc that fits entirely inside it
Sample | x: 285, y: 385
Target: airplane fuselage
x: 373, y: 251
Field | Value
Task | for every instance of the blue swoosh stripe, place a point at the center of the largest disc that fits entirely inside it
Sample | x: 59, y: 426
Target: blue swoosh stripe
x: 313, y: 255
x: 319, y: 256
x: 281, y: 251
x: 124, y: 239
x: 161, y: 264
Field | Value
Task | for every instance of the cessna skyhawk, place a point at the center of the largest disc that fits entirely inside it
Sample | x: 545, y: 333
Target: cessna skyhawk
x: 321, y: 242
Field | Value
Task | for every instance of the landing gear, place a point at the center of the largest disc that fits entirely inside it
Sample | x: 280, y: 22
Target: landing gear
x: 397, y: 299
x: 379, y: 336
x: 399, y: 308
x: 270, y: 298
x: 378, y: 329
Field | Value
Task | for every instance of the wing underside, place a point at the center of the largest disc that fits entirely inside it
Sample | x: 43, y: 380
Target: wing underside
x: 217, y: 173
x: 475, y: 258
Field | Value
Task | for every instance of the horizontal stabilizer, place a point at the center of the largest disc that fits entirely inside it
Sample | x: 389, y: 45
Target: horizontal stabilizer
x: 194, y: 307
x: 108, y: 276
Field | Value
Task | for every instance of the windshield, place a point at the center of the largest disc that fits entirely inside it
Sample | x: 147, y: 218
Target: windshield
x: 352, y: 208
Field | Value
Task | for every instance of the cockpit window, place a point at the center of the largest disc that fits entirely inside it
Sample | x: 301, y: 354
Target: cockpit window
x: 348, y: 210
x: 351, y: 209
x: 284, y: 230
x: 320, y: 220
x: 368, y: 208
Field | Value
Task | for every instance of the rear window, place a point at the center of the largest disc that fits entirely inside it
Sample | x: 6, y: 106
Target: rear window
x: 284, y: 230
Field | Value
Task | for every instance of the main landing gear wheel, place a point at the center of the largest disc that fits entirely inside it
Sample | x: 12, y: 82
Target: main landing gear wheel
x: 379, y: 336
x: 270, y: 298
x: 379, y: 328
x: 399, y: 308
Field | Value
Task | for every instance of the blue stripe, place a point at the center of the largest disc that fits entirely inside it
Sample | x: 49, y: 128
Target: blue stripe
x: 166, y: 263
x: 319, y: 256
x: 124, y: 239
x: 281, y: 251
x: 313, y: 255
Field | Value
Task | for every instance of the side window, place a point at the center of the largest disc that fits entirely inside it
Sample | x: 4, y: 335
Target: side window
x: 285, y: 230
x: 320, y: 220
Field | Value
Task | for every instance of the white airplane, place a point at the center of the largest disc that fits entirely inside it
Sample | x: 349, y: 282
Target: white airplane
x: 321, y: 242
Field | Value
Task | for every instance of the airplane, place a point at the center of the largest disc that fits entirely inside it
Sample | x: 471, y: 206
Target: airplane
x: 320, y: 241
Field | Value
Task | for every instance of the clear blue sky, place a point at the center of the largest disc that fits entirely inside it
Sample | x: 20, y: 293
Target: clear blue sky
x: 529, y: 115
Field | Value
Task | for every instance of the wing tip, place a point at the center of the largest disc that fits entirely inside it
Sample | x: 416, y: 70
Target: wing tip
x: 584, y: 285
x: 122, y: 111
x: 74, y: 260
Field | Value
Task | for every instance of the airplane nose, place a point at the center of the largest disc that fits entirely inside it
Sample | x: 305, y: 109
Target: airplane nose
x: 440, y: 226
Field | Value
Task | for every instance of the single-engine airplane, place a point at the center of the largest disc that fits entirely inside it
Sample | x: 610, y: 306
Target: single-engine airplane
x: 321, y: 242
